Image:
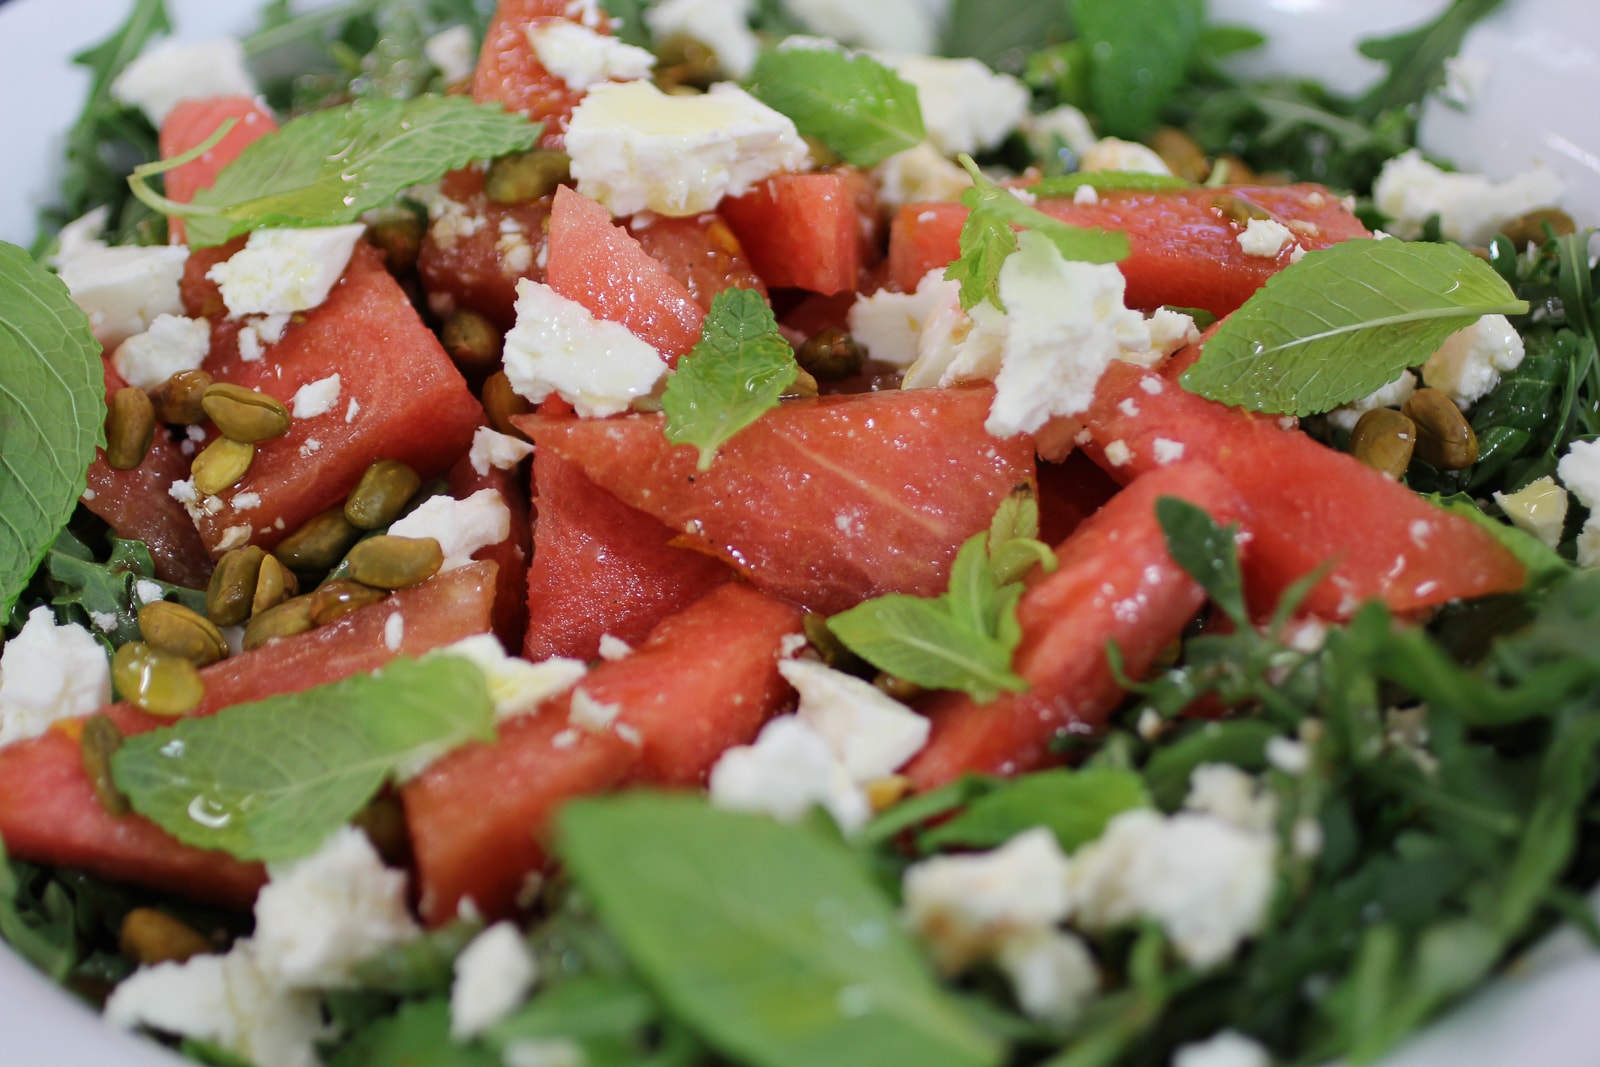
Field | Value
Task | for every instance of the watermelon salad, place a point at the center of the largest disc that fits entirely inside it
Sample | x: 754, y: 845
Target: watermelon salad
x: 571, y: 532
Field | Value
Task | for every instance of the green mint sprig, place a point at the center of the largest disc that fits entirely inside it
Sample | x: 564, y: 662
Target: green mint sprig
x: 1343, y: 322
x: 850, y: 102
x: 1109, y: 181
x: 734, y: 374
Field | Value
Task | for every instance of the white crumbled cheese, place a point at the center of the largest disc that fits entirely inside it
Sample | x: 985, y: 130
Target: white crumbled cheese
x: 1085, y: 194
x: 316, y: 398
x: 1468, y: 365
x: 590, y: 714
x: 394, y: 632
x: 1264, y: 238
x: 614, y: 648
x: 889, y: 25
x: 966, y: 906
x: 1227, y: 1048
x: 585, y: 12
x: 544, y: 1051
x: 790, y: 645
x: 1067, y: 322
x: 870, y: 732
x: 351, y: 410
x: 453, y: 53
x: 1060, y: 127
x: 1169, y: 331
x: 461, y: 527
x: 318, y: 917
x: 1166, y: 451
x: 955, y: 345
x: 1538, y: 508
x: 47, y: 673
x: 1306, y: 838
x: 1392, y: 395
x: 1579, y: 470
x: 557, y: 346
x: 1464, y: 78
x: 786, y: 772
x: 270, y: 328
x: 173, y: 71
x: 1223, y: 790
x: 234, y: 537
x: 1471, y: 208
x: 582, y: 58
x: 148, y: 592
x: 1113, y: 153
x: 516, y: 686
x: 1588, y: 543
x: 966, y: 106
x: 889, y: 324
x: 281, y: 270
x: 634, y: 147
x: 172, y: 344
x: 1118, y: 454
x: 493, y: 974
x: 245, y: 501
x: 310, y: 447
x: 225, y: 1000
x: 449, y: 221
x: 124, y: 289
x: 492, y: 449
x: 1288, y: 755
x: 919, y: 174
x: 1052, y: 974
x: 80, y: 235
x: 723, y: 26
x: 104, y: 621
x: 1207, y: 882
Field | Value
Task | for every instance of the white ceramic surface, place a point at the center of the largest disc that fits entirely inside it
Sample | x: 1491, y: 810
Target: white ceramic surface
x: 1542, y: 73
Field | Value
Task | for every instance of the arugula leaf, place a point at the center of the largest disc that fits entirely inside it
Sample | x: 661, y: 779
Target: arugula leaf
x: 420, y: 966
x: 1206, y: 552
x: 93, y: 592
x: 52, y: 408
x: 1133, y: 181
x: 988, y: 236
x: 1074, y: 805
x: 43, y: 930
x: 419, y: 1033
x: 734, y: 374
x: 271, y: 779
x: 1416, y: 58
x: 1344, y: 321
x: 849, y: 101
x: 328, y: 167
x: 770, y: 940
x: 1140, y: 53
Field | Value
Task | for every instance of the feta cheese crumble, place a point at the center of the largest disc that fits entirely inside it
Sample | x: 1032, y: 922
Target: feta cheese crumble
x: 582, y: 58
x: 461, y: 527
x: 889, y: 323
x: 787, y: 771
x: 1468, y: 365
x: 1265, y: 238
x: 48, y: 673
x: 870, y: 732
x: 723, y: 26
x: 1393, y: 395
x: 172, y: 71
x: 1228, y: 1048
x: 316, y: 398
x: 1112, y: 153
x: 1051, y: 972
x: 919, y: 174
x: 966, y: 106
x: 1538, y: 508
x: 557, y: 346
x: 453, y: 52
x: 281, y: 270
x: 493, y: 975
x: 614, y: 648
x: 516, y: 686
x: 889, y: 25
x: 1471, y: 208
x: 1579, y: 470
x: 125, y: 289
x: 492, y: 449
x: 634, y: 147
x: 173, y: 343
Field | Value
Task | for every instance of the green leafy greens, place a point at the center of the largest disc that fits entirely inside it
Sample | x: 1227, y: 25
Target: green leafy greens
x: 328, y: 167
x: 270, y: 780
x: 1132, y: 181
x: 989, y: 235
x: 850, y: 102
x: 1343, y: 322
x: 965, y: 638
x: 93, y: 593
x: 770, y: 940
x: 736, y: 372
x: 52, y: 405
x: 1140, y: 51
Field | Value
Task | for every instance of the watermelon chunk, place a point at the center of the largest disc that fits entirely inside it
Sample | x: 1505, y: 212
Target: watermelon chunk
x: 802, y: 231
x: 476, y: 266
x: 698, y: 250
x: 411, y: 404
x: 135, y: 504
x: 1310, y: 504
x: 189, y: 124
x: 602, y: 567
x: 49, y: 814
x: 1185, y: 251
x: 510, y: 73
x: 1116, y: 582
x: 823, y: 502
x: 605, y: 269
x: 476, y: 815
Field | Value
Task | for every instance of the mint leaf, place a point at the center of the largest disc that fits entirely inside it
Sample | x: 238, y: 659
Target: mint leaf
x: 772, y: 941
x: 1206, y: 551
x: 52, y: 410
x: 1014, y: 545
x: 850, y: 102
x: 39, y: 922
x: 1132, y: 181
x: 988, y: 236
x: 1343, y: 322
x: 734, y: 374
x: 1140, y: 53
x: 328, y: 167
x: 1073, y: 805
x: 270, y: 780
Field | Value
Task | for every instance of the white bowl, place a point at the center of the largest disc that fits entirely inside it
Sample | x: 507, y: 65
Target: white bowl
x: 1541, y: 65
